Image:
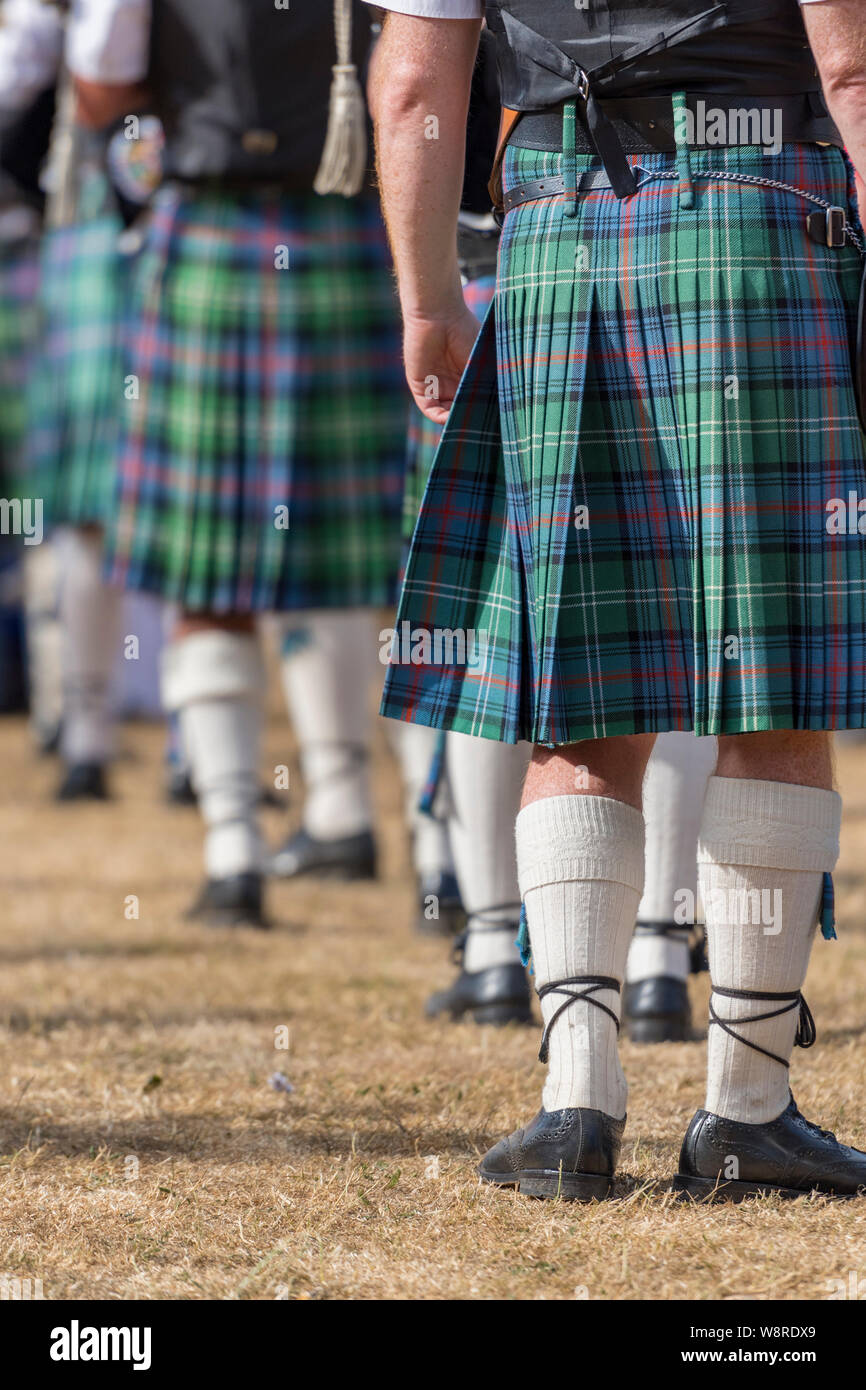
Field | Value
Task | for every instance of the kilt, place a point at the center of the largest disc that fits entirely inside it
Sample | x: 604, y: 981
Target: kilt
x: 76, y: 385
x: 423, y: 435
x: 262, y: 465
x: 18, y: 280
x: 630, y: 519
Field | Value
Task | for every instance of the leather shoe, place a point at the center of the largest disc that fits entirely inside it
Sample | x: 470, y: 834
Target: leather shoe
x: 497, y: 995
x: 236, y: 901
x: 83, y: 782
x: 348, y: 859
x: 789, y: 1156
x: 570, y: 1154
x: 657, y: 1010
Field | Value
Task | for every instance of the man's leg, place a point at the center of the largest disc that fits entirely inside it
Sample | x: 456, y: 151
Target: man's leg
x: 213, y: 679
x: 90, y: 613
x: 769, y: 834
x: 329, y: 660
x: 484, y: 786
x: 656, y: 1005
x: 416, y: 749
x: 580, y: 860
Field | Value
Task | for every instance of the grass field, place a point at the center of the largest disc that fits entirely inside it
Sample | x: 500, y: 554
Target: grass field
x: 144, y: 1154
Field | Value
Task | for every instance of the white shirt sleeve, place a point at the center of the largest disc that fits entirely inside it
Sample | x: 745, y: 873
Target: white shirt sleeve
x: 109, y: 40
x: 31, y: 44
x: 434, y: 9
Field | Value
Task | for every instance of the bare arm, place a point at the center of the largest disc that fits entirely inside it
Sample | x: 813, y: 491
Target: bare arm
x: 837, y: 35
x: 419, y: 93
x: 99, y: 104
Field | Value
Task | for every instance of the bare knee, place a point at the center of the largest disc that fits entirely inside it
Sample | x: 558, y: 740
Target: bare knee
x: 803, y: 757
x: 612, y: 767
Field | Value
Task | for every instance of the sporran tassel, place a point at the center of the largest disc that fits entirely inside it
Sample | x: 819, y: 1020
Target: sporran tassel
x: 344, y: 158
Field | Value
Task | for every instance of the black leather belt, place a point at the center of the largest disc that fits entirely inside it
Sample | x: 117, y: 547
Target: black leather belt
x: 646, y: 124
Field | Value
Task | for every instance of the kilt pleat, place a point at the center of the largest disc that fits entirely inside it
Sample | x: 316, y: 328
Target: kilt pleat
x: 262, y: 465
x: 76, y: 383
x: 18, y: 281
x: 677, y: 415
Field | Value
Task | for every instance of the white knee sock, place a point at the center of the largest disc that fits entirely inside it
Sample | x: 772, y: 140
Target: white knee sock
x: 90, y: 613
x: 485, y: 780
x: 329, y: 661
x: 214, y: 681
x: 580, y: 861
x: 673, y: 799
x: 44, y: 641
x: 414, y: 746
x: 764, y: 847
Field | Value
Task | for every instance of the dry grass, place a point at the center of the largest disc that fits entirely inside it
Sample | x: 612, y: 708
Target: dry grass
x: 209, y: 1184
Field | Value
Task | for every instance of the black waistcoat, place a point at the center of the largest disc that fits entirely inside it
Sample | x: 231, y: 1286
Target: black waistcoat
x: 242, y: 87
x: 737, y: 46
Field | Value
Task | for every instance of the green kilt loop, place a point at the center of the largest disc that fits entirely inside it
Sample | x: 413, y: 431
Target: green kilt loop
x: 263, y: 461
x: 633, y: 521
x: 77, y: 384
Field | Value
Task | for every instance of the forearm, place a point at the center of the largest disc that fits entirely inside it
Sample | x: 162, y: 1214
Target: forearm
x: 837, y: 34
x: 420, y: 88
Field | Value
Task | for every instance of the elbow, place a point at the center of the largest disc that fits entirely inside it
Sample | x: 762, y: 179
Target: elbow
x: 399, y: 92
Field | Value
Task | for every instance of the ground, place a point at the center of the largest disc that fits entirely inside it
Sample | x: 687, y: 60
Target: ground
x: 144, y: 1152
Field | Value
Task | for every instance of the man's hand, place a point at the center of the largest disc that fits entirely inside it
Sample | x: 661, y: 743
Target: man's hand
x: 420, y: 85
x: 436, y: 351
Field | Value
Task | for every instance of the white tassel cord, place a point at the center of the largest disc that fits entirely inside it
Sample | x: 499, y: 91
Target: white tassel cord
x: 344, y: 158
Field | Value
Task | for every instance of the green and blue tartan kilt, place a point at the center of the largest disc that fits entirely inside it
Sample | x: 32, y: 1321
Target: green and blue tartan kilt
x: 76, y: 390
x: 263, y: 463
x: 629, y: 523
x: 18, y: 281
x: 423, y: 435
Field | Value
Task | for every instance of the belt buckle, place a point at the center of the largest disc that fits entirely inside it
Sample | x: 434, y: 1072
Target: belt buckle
x: 827, y: 226
x: 582, y: 84
x: 835, y: 226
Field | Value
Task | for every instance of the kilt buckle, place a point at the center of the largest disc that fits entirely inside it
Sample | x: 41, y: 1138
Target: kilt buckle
x: 827, y: 226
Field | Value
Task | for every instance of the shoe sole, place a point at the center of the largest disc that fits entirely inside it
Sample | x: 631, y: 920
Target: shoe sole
x: 551, y: 1185
x: 336, y: 873
x: 496, y: 1015
x: 665, y: 1028
x: 714, y: 1190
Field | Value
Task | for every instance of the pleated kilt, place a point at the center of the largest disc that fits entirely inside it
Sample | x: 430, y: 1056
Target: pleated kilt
x: 18, y: 281
x: 262, y: 464
x: 423, y: 435
x: 76, y: 393
x: 630, y: 519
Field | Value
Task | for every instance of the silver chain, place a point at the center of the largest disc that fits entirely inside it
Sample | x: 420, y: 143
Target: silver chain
x: 733, y: 177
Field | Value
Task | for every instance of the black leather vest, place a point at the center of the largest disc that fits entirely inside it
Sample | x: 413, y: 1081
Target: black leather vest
x: 242, y: 87
x: 482, y: 129
x: 648, y: 48
x: 551, y: 51
x: 24, y: 141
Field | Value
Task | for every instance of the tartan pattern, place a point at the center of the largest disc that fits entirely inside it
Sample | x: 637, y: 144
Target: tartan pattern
x: 685, y: 375
x: 263, y: 389
x: 18, y: 280
x: 423, y: 435
x: 76, y: 385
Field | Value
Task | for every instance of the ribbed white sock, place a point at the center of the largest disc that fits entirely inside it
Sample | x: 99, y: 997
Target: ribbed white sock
x: 329, y: 661
x: 414, y: 745
x: 764, y: 847
x: 90, y: 613
x: 581, y: 864
x: 673, y: 799
x: 485, y: 780
x: 214, y: 681
x: 44, y: 638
